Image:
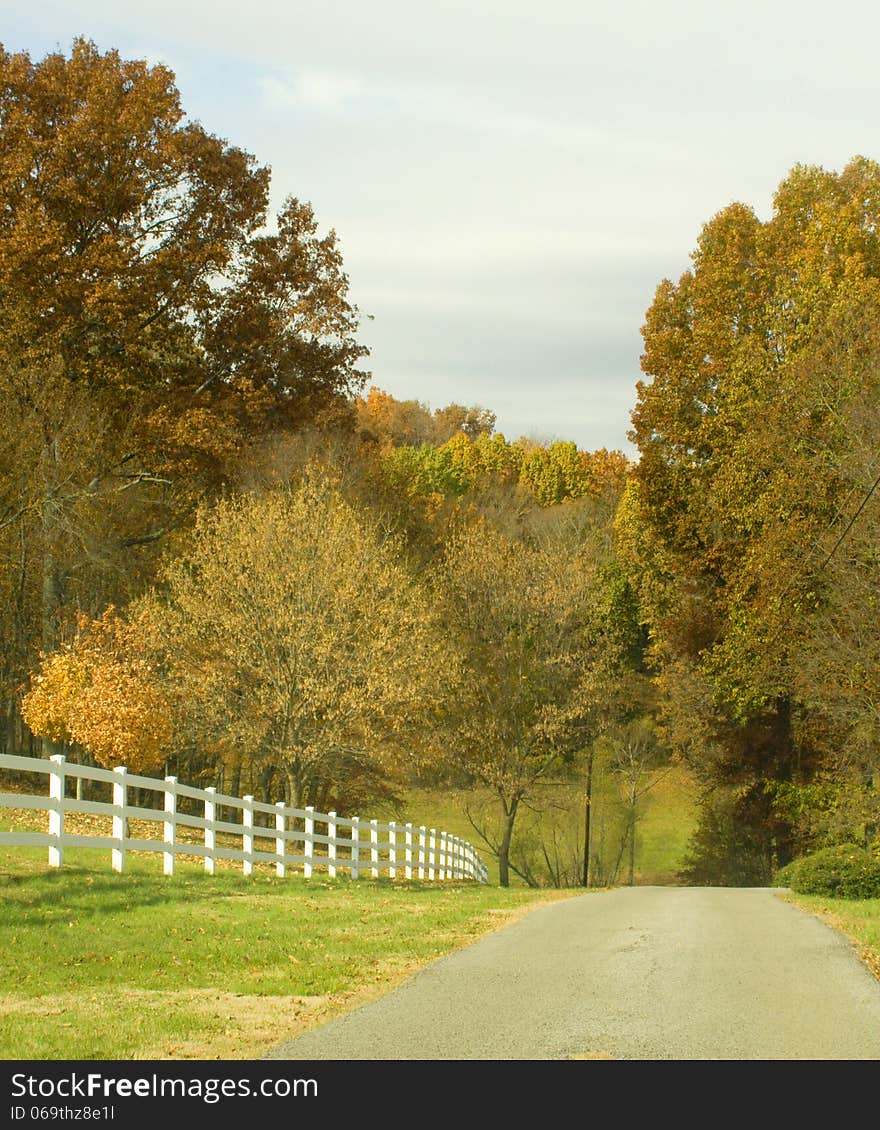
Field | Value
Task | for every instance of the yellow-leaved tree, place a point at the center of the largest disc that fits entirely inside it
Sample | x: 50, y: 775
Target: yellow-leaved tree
x: 516, y: 612
x: 297, y: 639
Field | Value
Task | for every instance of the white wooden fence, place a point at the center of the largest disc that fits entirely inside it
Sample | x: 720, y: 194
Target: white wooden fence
x: 352, y: 845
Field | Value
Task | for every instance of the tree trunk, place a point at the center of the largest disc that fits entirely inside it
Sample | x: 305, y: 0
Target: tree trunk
x: 504, y: 847
x: 624, y: 840
x: 52, y: 581
x: 10, y: 728
x: 266, y: 782
x: 588, y: 816
x: 51, y: 600
x: 50, y: 607
x: 294, y: 786
x: 632, y: 843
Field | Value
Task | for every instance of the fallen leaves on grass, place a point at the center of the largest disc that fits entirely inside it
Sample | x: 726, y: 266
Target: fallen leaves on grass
x: 233, y: 1025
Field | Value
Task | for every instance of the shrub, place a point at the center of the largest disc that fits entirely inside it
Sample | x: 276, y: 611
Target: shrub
x: 844, y: 871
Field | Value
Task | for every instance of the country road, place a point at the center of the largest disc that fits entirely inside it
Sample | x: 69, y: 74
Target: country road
x: 639, y: 973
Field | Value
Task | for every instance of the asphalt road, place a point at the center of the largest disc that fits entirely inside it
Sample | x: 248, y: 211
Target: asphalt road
x: 640, y: 973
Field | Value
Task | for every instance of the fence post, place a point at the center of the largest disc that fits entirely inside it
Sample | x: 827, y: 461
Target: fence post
x: 374, y: 851
x: 210, y: 831
x: 423, y: 834
x: 280, y: 842
x: 451, y: 858
x: 247, y: 834
x: 432, y: 857
x: 407, y: 871
x: 308, y: 841
x: 56, y: 811
x: 392, y: 850
x: 331, y: 846
x: 444, y: 858
x: 119, y: 798
x: 169, y: 824
x: 355, y: 848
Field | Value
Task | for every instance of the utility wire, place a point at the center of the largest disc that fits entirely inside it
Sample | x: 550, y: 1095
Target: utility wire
x: 841, y: 510
x: 800, y: 573
x: 851, y: 522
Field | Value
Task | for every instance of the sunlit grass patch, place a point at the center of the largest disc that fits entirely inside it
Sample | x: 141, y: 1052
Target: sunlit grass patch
x: 140, y: 965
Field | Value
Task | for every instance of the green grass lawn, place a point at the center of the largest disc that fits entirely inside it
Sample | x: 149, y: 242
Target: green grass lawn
x: 98, y: 965
x: 859, y: 919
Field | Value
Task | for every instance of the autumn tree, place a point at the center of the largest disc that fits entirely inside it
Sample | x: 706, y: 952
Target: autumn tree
x: 836, y: 660
x: 555, y: 472
x: 104, y: 690
x: 635, y: 752
x: 152, y: 327
x: 295, y: 638
x: 610, y: 684
x: 514, y: 613
x: 739, y: 493
x: 472, y: 422
x: 480, y: 463
x: 410, y: 423
x: 485, y: 458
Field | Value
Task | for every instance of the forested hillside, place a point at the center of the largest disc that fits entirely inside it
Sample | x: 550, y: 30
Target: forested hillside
x: 225, y: 554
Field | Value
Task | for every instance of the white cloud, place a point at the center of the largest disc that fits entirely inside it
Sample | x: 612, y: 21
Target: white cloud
x: 311, y: 89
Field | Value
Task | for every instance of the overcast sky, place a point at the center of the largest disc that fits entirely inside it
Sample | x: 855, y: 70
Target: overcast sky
x: 509, y: 181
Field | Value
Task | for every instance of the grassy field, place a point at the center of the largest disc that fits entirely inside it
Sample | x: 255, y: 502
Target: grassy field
x: 859, y: 919
x: 668, y: 817
x: 98, y: 965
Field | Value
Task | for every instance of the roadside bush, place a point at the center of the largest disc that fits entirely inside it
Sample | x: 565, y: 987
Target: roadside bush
x: 844, y: 871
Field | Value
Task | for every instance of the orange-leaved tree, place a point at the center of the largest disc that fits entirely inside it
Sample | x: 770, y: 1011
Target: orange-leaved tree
x: 104, y: 691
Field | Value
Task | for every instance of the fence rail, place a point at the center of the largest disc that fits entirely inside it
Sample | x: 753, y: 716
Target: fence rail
x: 345, y: 843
